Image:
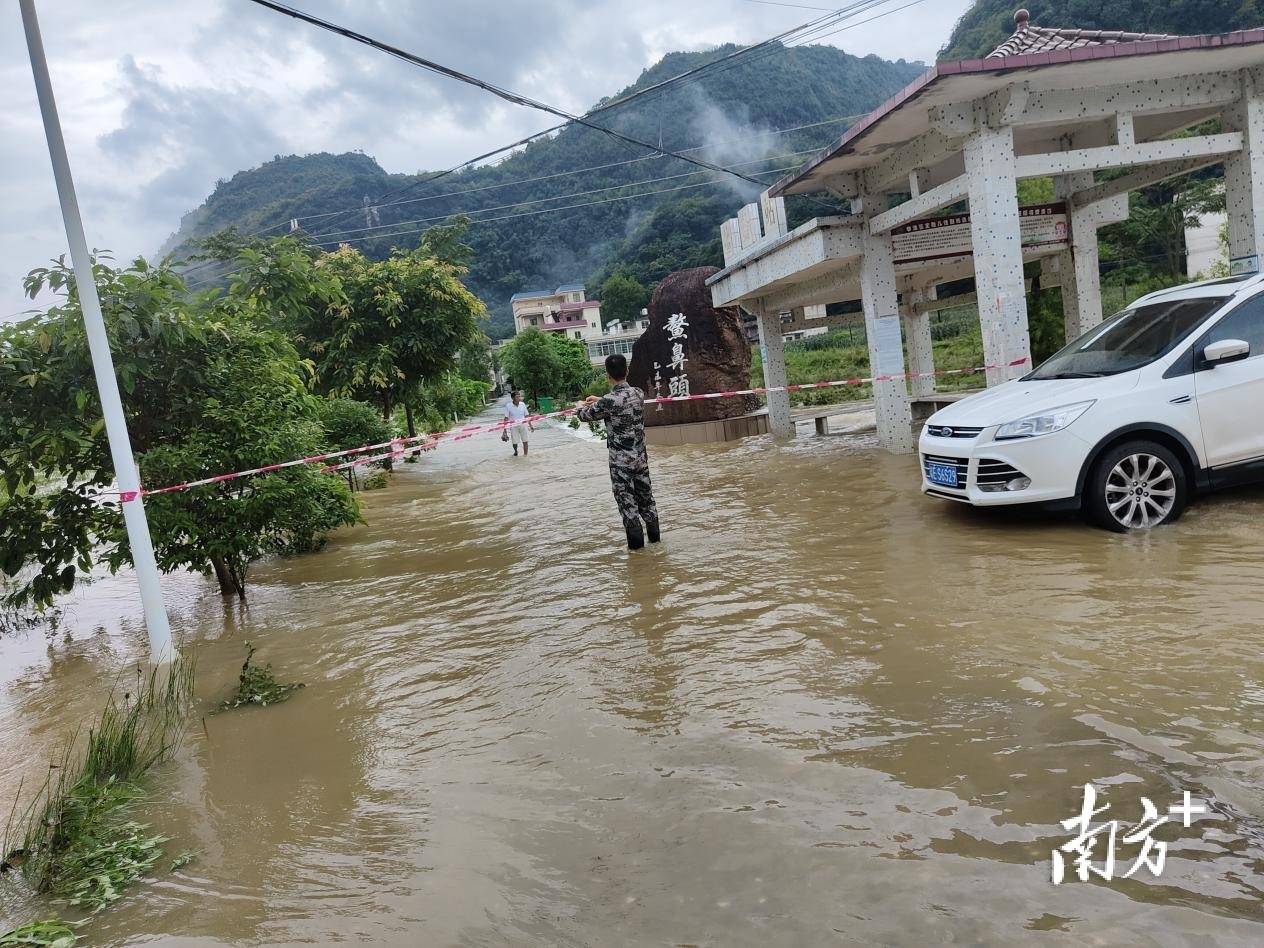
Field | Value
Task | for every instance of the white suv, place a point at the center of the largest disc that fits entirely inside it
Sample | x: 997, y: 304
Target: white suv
x: 1125, y: 423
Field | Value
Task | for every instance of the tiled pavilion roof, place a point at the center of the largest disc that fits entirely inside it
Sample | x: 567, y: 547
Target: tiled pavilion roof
x: 1042, y: 39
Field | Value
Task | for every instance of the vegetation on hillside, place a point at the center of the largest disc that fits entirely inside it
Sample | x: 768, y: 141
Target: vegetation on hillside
x: 727, y: 111
x: 989, y: 23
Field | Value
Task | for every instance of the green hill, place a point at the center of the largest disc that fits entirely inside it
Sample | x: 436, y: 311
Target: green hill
x: 990, y: 22
x: 729, y: 110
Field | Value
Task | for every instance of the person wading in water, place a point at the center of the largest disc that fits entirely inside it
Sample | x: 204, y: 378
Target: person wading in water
x: 622, y: 412
x: 516, y: 417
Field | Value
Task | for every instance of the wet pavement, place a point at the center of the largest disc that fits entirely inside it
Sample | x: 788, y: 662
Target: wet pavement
x: 824, y: 710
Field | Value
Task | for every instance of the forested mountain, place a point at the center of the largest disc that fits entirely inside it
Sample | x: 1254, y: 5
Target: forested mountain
x: 728, y: 111
x: 990, y: 22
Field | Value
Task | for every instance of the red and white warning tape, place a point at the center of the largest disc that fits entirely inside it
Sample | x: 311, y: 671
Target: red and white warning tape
x: 401, y: 447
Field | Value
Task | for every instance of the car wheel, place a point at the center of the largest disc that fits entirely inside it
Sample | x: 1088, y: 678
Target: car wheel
x: 1136, y: 485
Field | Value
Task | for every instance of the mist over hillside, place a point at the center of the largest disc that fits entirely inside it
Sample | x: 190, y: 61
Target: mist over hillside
x: 538, y: 223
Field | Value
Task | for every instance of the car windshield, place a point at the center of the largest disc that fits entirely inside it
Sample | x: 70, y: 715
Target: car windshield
x: 1130, y: 339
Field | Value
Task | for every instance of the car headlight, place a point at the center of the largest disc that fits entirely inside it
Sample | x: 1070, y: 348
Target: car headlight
x: 1047, y: 422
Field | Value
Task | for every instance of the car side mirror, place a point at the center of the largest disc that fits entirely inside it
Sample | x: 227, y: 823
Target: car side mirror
x: 1226, y: 350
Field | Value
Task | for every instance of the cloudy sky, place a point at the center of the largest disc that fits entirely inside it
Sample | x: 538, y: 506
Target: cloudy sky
x: 159, y: 99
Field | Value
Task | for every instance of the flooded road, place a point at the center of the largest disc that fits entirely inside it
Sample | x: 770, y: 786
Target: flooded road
x: 824, y: 710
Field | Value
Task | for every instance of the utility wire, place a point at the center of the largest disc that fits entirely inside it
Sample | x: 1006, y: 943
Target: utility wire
x: 561, y: 197
x: 623, y: 100
x: 775, y: 3
x: 504, y: 217
x: 613, y: 164
x: 549, y: 210
x: 507, y: 184
x: 802, y: 33
x: 507, y: 95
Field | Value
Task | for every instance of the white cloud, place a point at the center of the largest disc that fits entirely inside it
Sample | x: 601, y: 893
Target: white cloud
x: 158, y: 100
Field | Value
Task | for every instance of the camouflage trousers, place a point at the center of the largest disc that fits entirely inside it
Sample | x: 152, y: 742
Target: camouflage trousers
x: 633, y: 492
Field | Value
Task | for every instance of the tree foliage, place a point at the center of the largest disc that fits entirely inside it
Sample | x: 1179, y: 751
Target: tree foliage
x: 402, y: 321
x: 531, y: 363
x: 622, y: 298
x: 547, y: 364
x: 208, y: 386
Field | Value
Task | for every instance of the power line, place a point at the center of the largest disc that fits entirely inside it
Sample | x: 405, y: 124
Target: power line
x: 507, y: 184
x: 613, y: 164
x: 872, y: 18
x: 685, y: 76
x: 536, y: 213
x: 507, y: 95
x: 776, y: 3
x: 549, y: 210
x: 802, y: 33
x: 560, y: 197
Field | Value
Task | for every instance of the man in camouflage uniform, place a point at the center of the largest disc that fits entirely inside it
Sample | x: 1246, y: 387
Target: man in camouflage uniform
x: 621, y: 410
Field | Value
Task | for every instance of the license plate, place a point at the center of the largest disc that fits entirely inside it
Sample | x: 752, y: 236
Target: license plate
x: 943, y: 474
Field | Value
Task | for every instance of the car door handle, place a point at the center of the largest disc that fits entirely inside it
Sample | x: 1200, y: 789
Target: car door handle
x: 1181, y: 400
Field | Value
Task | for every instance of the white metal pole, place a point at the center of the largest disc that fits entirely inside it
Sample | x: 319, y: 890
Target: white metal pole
x: 160, y: 646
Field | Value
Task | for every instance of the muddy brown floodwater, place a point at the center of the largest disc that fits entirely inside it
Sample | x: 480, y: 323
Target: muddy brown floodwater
x: 824, y: 710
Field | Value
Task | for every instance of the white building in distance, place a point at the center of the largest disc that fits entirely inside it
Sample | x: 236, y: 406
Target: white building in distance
x: 567, y: 310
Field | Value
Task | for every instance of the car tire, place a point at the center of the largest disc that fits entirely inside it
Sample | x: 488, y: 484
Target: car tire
x: 1136, y: 485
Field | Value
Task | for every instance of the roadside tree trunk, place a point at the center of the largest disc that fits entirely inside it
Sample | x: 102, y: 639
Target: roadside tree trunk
x: 230, y: 584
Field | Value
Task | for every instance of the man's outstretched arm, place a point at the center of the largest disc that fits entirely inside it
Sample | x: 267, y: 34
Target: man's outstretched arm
x: 595, y: 409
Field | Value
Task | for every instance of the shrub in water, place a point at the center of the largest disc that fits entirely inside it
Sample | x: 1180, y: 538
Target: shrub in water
x: 75, y: 843
x: 257, y: 685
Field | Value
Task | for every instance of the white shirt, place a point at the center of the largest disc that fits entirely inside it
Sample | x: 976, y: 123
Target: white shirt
x: 516, y: 413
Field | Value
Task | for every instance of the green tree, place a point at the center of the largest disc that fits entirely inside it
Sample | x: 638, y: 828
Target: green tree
x: 403, y: 323
x: 549, y: 364
x: 446, y: 243
x: 532, y: 363
x: 575, y: 371
x: 348, y: 424
x: 622, y: 298
x: 475, y: 361
x: 207, y: 387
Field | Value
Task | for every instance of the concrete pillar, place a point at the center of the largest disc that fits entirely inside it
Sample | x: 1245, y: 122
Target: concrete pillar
x: 920, y: 344
x: 1079, y: 264
x: 998, y: 252
x: 773, y: 211
x: 1244, y: 181
x: 772, y: 355
x: 886, y: 349
x: 731, y: 240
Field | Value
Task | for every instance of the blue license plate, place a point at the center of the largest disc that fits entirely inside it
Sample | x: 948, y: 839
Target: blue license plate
x: 943, y: 474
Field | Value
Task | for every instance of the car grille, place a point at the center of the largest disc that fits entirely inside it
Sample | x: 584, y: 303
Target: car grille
x: 952, y: 431
x: 995, y: 473
x: 960, y: 464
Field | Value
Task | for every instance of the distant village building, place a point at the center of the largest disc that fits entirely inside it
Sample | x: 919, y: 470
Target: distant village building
x: 568, y: 310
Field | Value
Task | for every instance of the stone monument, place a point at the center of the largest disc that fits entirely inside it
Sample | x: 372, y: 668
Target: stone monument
x: 692, y: 348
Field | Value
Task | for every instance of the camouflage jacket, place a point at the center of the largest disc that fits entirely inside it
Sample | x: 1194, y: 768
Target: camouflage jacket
x: 624, y: 416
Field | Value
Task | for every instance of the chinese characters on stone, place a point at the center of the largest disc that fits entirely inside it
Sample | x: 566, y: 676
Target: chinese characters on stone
x: 678, y: 384
x: 1084, y: 845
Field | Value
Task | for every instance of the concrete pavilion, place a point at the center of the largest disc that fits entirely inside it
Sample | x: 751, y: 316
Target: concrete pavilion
x: 1052, y: 103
